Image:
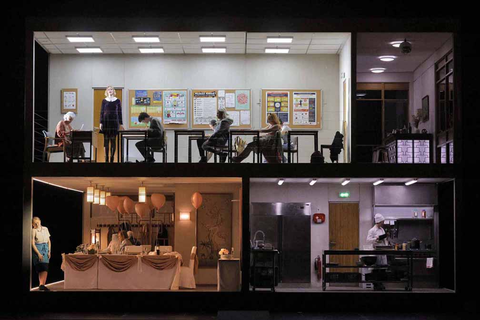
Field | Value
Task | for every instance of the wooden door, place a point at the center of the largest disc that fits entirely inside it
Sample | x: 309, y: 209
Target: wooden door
x: 98, y: 96
x: 343, y: 226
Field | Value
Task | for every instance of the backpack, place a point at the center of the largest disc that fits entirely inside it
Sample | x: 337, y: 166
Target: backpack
x: 317, y: 157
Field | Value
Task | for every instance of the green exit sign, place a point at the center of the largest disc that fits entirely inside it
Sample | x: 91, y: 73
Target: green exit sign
x: 344, y: 194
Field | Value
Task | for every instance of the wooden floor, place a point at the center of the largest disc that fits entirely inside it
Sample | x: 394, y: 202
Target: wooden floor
x: 58, y: 286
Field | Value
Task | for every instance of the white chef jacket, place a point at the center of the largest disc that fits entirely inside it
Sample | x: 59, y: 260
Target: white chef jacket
x: 372, y: 237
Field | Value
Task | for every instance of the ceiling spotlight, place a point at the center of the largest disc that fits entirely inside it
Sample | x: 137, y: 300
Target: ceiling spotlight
x: 89, y: 50
x: 387, y: 58
x: 313, y: 182
x: 281, y: 181
x: 80, y: 39
x: 146, y: 39
x: 279, y: 39
x: 376, y: 183
x: 345, y: 182
x: 377, y: 70
x: 408, y: 183
x: 406, y: 47
x: 212, y: 38
x: 277, y: 50
x: 396, y: 44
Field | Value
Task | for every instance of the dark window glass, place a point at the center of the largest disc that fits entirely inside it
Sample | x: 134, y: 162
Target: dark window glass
x: 396, y: 94
x: 395, y: 115
x: 450, y: 67
x: 369, y: 94
x: 443, y: 116
x: 441, y: 73
x: 369, y: 122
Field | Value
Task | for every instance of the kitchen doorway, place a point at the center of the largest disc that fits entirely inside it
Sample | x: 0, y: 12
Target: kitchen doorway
x: 344, y: 233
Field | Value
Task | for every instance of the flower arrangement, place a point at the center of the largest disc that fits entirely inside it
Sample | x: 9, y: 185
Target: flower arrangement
x: 223, y: 251
x: 416, y: 119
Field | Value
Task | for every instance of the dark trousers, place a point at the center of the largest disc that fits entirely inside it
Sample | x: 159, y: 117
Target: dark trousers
x: 144, y: 147
x: 209, y: 145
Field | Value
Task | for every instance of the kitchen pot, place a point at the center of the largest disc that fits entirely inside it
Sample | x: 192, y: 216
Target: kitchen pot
x: 415, y: 244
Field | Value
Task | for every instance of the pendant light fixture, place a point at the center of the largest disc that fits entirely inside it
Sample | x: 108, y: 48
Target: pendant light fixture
x: 142, y: 194
x: 90, y: 193
x: 96, y: 195
x: 102, y: 197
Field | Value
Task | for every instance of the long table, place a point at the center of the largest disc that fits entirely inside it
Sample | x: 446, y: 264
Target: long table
x: 89, y: 272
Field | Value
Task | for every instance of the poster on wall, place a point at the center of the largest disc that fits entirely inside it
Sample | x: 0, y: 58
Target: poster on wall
x: 214, y: 228
x: 68, y: 100
x: 204, y: 107
x: 242, y: 101
x: 278, y: 102
x: 304, y: 108
x: 174, y: 107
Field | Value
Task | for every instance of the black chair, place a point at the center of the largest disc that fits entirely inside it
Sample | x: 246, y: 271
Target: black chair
x: 161, y: 149
x: 293, y: 148
x: 335, y: 148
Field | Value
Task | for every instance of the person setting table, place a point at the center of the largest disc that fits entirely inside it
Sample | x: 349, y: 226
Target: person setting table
x: 218, y: 139
x: 266, y: 143
x: 155, y: 137
x: 63, y: 132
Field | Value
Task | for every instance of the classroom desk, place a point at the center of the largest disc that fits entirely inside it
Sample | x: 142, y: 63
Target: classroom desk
x: 129, y: 135
x: 291, y: 133
x: 187, y: 132
x: 84, y: 137
x: 244, y: 132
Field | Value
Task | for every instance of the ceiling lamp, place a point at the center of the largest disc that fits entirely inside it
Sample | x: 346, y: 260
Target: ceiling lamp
x: 103, y: 195
x: 96, y: 196
x: 142, y: 194
x: 409, y: 183
x: 214, y: 50
x: 377, y: 70
x: 151, y: 50
x: 281, y: 181
x: 376, y: 183
x: 277, y: 50
x: 146, y: 39
x: 396, y: 44
x: 345, y: 182
x: 89, y: 50
x: 279, y: 39
x: 90, y: 191
x: 313, y: 182
x: 387, y: 58
x: 212, y: 38
x: 80, y: 39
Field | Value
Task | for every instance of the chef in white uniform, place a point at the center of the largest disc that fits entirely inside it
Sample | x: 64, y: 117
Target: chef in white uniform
x: 373, y: 238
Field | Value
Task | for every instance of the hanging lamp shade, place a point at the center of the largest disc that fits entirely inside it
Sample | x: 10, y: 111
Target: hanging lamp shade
x: 103, y: 195
x: 142, y: 210
x: 96, y: 196
x: 129, y: 205
x: 196, y: 200
x: 112, y: 202
x: 90, y: 194
x: 142, y: 194
x: 158, y: 200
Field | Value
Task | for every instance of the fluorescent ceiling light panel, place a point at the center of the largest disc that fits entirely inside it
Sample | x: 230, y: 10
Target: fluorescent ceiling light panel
x: 277, y: 50
x: 387, y: 58
x: 151, y: 50
x: 89, y: 50
x: 345, y: 182
x: 313, y: 182
x: 214, y: 50
x: 377, y: 70
x: 146, y: 39
x: 279, y: 39
x: 80, y: 39
x: 212, y: 38
x: 408, y: 183
x: 376, y: 183
x: 281, y: 181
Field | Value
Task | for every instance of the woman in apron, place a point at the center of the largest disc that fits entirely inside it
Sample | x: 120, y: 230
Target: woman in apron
x: 41, y: 246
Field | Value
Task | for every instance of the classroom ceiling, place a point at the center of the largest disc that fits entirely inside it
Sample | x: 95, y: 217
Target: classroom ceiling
x: 189, y: 42
x: 370, y: 46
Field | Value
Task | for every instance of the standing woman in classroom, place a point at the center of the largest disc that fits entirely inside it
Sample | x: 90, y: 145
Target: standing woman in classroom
x: 110, y: 122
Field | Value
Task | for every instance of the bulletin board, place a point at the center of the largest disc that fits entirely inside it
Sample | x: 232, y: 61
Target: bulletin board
x: 206, y: 102
x: 300, y: 109
x: 168, y: 105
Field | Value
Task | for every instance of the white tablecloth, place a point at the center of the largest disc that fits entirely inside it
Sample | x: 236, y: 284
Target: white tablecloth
x: 85, y: 280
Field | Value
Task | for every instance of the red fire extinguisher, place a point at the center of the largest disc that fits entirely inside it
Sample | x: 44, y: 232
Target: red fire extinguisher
x: 318, y: 267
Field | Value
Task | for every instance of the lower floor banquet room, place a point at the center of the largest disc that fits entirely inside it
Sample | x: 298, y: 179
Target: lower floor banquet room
x: 304, y: 235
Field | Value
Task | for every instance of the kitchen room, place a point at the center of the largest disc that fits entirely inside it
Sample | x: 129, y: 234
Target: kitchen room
x: 318, y: 229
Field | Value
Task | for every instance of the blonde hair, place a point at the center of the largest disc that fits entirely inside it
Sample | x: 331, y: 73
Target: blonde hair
x: 273, y: 117
x: 35, y: 219
x: 106, y: 91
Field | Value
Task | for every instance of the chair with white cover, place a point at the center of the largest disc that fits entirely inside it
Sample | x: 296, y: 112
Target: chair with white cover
x: 187, y: 274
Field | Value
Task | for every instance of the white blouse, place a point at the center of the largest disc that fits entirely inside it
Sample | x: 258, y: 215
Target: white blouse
x: 41, y: 235
x: 111, y: 99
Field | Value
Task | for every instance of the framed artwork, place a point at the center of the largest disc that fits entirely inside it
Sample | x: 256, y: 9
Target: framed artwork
x: 214, y: 227
x: 425, y: 108
x: 69, y: 100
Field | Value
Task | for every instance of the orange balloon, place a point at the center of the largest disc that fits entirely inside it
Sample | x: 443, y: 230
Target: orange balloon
x: 150, y: 203
x: 120, y: 206
x: 142, y: 210
x: 129, y: 205
x: 197, y: 200
x: 158, y: 200
x: 112, y: 202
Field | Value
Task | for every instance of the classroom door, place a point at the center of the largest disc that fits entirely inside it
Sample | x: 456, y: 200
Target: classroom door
x: 98, y: 96
x: 343, y: 226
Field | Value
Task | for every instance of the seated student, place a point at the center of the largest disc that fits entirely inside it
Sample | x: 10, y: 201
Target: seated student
x: 266, y: 144
x: 218, y: 138
x: 63, y: 136
x: 154, y: 137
